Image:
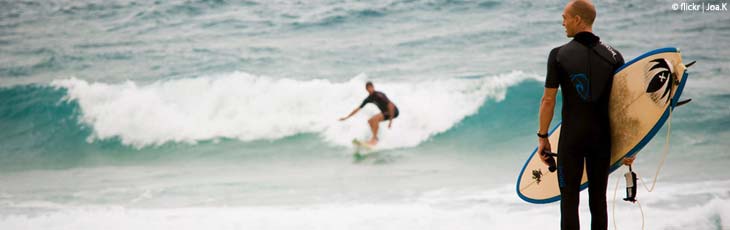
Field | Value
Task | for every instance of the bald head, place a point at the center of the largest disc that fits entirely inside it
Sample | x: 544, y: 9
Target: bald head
x: 583, y: 9
x: 578, y: 16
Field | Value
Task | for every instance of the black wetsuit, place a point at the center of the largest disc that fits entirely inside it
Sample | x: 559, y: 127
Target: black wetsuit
x: 382, y: 102
x: 584, y: 69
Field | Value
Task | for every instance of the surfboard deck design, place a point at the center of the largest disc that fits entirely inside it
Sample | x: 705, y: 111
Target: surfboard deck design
x: 644, y: 91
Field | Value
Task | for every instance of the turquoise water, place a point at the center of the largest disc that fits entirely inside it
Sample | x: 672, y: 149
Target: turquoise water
x: 218, y: 114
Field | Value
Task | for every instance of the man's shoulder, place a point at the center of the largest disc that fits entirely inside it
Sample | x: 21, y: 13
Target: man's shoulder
x: 615, y: 56
x: 380, y: 95
x: 554, y: 53
x: 556, y: 49
x: 570, y: 45
x: 614, y: 52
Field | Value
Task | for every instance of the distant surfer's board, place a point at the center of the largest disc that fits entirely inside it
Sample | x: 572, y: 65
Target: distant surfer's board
x: 644, y: 92
x: 361, y: 147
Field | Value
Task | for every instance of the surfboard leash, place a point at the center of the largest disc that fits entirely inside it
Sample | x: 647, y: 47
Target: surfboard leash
x: 665, y: 153
x: 613, y: 208
x: 663, y: 159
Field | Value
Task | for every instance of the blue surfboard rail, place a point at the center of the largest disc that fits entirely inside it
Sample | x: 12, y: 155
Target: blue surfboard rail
x: 633, y: 150
x: 656, y: 51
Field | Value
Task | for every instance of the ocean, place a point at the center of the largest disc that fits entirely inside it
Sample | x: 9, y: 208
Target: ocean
x: 215, y: 114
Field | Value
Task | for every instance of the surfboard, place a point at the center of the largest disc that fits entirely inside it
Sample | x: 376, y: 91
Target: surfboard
x: 362, y: 148
x: 644, y: 92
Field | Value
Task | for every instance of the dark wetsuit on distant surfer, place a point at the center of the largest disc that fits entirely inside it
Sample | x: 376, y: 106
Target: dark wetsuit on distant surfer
x: 388, y: 111
x: 382, y: 102
x: 584, y: 69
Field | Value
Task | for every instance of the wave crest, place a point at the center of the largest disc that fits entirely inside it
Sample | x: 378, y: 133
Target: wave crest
x: 247, y: 107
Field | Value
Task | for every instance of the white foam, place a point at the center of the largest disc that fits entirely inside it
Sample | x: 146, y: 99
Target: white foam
x: 443, y: 209
x: 247, y: 107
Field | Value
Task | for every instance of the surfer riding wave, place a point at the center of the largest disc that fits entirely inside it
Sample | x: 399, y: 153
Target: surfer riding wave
x: 388, y: 111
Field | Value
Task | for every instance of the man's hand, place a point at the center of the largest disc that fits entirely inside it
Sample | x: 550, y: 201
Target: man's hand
x: 354, y: 111
x: 628, y: 160
x: 543, y: 144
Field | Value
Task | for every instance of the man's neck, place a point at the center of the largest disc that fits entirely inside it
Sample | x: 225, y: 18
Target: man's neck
x: 586, y: 38
x: 587, y: 29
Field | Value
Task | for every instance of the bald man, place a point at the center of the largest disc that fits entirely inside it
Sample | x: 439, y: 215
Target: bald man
x: 584, y: 69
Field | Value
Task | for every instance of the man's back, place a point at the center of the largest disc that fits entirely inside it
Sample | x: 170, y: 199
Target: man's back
x: 584, y: 69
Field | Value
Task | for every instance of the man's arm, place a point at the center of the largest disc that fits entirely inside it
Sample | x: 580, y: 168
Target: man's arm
x: 354, y: 111
x: 547, y: 104
x: 391, y: 112
x: 547, y: 108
